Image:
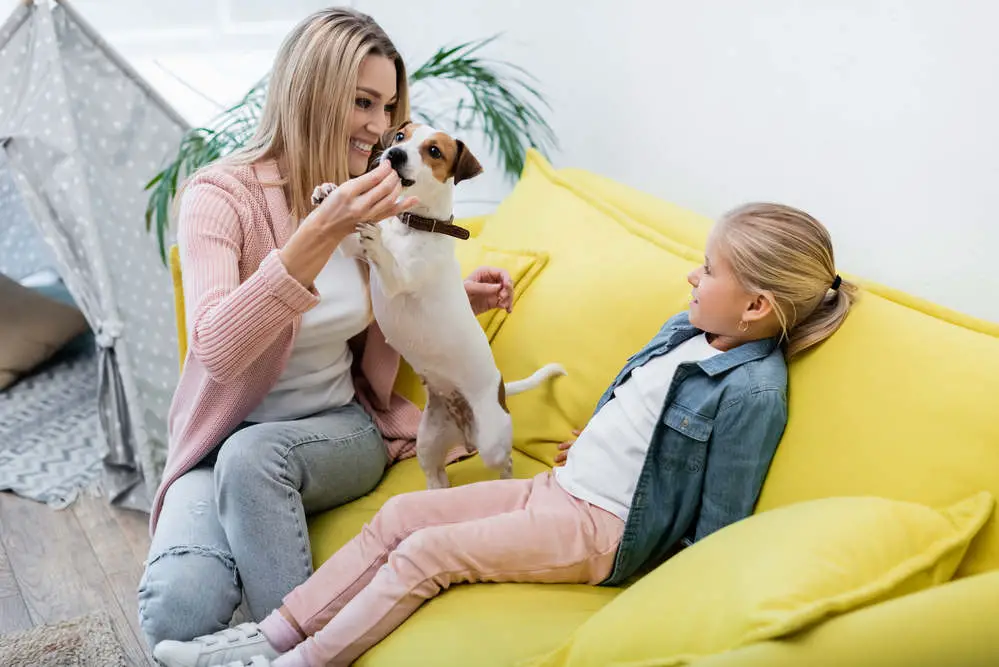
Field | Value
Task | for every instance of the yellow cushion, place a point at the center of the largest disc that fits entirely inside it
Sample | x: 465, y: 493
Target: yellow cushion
x: 609, y: 285
x: 952, y: 624
x: 896, y: 404
x: 178, y: 303
x: 473, y: 224
x: 773, y: 574
x: 498, y: 624
x: 674, y: 222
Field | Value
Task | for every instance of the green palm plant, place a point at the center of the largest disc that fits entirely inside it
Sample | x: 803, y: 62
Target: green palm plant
x: 494, y: 97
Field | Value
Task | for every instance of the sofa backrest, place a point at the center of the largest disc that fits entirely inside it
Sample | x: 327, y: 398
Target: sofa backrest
x: 902, y: 402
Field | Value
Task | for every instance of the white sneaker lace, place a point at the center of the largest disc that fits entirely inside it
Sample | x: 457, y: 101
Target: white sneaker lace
x: 241, y: 632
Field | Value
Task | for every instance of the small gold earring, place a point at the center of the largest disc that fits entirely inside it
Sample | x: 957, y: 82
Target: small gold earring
x: 743, y: 326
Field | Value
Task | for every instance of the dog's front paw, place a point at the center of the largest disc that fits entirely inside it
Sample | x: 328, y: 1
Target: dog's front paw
x: 321, y: 193
x: 370, y: 237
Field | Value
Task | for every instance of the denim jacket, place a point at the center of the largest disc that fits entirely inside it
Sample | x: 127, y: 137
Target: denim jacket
x: 711, y: 448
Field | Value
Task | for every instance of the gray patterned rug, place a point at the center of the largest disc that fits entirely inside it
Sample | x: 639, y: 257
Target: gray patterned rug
x: 50, y: 440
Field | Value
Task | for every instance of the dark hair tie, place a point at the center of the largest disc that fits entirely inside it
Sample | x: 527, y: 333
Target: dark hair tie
x: 836, y: 282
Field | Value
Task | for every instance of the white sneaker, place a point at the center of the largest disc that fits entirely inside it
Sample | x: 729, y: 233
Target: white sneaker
x: 256, y: 661
x: 244, y: 644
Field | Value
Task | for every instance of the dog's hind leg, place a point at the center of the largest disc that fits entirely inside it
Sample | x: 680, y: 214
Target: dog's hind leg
x: 436, y: 435
x: 492, y: 433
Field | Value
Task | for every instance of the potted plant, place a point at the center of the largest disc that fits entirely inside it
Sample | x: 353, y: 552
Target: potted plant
x: 494, y: 97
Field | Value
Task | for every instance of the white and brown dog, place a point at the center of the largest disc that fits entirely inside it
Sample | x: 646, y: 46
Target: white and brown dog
x: 419, y: 300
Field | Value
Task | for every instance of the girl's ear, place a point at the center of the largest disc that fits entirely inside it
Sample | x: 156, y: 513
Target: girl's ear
x: 759, y: 308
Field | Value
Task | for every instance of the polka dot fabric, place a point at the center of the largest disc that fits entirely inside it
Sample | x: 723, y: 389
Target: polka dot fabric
x: 85, y: 138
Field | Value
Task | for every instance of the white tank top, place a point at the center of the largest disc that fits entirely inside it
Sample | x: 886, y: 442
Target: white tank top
x: 317, y: 376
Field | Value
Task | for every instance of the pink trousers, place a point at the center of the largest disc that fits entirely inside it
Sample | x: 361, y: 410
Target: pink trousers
x: 518, y: 530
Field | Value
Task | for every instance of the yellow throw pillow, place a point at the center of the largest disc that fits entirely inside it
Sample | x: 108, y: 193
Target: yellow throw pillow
x: 523, y: 267
x: 775, y: 573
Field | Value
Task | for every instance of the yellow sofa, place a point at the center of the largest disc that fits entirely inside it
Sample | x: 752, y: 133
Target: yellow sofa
x: 896, y: 413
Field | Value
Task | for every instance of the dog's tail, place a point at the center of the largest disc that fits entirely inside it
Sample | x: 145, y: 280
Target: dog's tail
x: 535, y: 379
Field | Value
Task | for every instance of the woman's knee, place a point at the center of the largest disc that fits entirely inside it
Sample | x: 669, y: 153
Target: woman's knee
x: 247, y: 455
x: 187, y: 591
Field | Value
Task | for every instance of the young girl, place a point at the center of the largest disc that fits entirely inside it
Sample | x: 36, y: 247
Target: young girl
x: 678, y: 448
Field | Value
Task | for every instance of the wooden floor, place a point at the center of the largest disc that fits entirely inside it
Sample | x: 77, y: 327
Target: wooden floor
x: 57, y: 564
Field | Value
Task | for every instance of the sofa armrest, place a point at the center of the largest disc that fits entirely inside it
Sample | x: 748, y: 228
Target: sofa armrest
x: 950, y: 624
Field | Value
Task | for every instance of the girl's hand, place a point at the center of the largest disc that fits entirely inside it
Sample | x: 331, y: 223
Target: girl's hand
x: 564, y: 448
x: 487, y: 288
x: 368, y: 198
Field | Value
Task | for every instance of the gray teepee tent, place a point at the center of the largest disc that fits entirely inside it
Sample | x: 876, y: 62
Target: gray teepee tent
x: 81, y: 133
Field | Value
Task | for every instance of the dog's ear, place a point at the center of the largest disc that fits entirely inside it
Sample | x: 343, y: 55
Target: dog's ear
x: 465, y: 164
x: 383, y: 143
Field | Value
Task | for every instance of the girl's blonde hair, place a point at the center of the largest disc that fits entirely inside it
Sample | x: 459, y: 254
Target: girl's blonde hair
x: 310, y: 99
x: 787, y: 255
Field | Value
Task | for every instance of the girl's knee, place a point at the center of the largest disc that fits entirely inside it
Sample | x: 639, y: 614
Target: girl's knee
x: 187, y: 591
x: 397, y: 516
x: 418, y: 560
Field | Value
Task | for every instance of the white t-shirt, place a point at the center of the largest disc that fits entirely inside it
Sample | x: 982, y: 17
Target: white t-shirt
x: 317, y: 376
x: 606, y: 460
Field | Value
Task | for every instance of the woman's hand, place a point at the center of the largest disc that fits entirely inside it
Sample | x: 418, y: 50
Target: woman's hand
x: 487, y: 288
x: 368, y: 198
x: 563, y: 447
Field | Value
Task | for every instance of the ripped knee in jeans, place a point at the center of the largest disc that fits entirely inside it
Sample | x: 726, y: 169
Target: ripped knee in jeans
x: 187, y: 591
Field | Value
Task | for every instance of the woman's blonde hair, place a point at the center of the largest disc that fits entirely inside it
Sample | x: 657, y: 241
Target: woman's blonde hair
x: 310, y: 99
x: 787, y: 255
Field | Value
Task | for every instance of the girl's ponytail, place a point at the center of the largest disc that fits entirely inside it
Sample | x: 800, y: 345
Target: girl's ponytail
x: 823, y: 321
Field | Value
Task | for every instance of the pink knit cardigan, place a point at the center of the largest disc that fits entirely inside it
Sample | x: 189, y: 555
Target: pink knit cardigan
x: 243, y: 312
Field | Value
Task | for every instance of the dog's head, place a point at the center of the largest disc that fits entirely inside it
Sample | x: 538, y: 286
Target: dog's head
x: 427, y: 160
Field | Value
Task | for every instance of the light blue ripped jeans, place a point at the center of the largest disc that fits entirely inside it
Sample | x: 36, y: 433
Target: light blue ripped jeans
x: 235, y: 525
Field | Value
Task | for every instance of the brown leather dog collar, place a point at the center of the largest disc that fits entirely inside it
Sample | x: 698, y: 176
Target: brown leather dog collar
x: 433, y: 225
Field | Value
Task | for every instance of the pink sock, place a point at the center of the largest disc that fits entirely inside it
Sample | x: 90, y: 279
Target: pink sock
x: 295, y: 658
x: 279, y: 632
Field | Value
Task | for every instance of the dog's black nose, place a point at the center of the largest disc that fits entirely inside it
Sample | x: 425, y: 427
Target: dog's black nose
x: 396, y: 157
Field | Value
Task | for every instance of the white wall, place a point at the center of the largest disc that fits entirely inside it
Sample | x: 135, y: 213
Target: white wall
x: 880, y: 117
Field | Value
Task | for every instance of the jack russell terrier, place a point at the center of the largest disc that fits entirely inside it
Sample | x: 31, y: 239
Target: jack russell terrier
x: 419, y: 300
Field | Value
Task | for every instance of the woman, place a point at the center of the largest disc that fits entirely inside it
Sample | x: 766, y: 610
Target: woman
x: 284, y: 406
